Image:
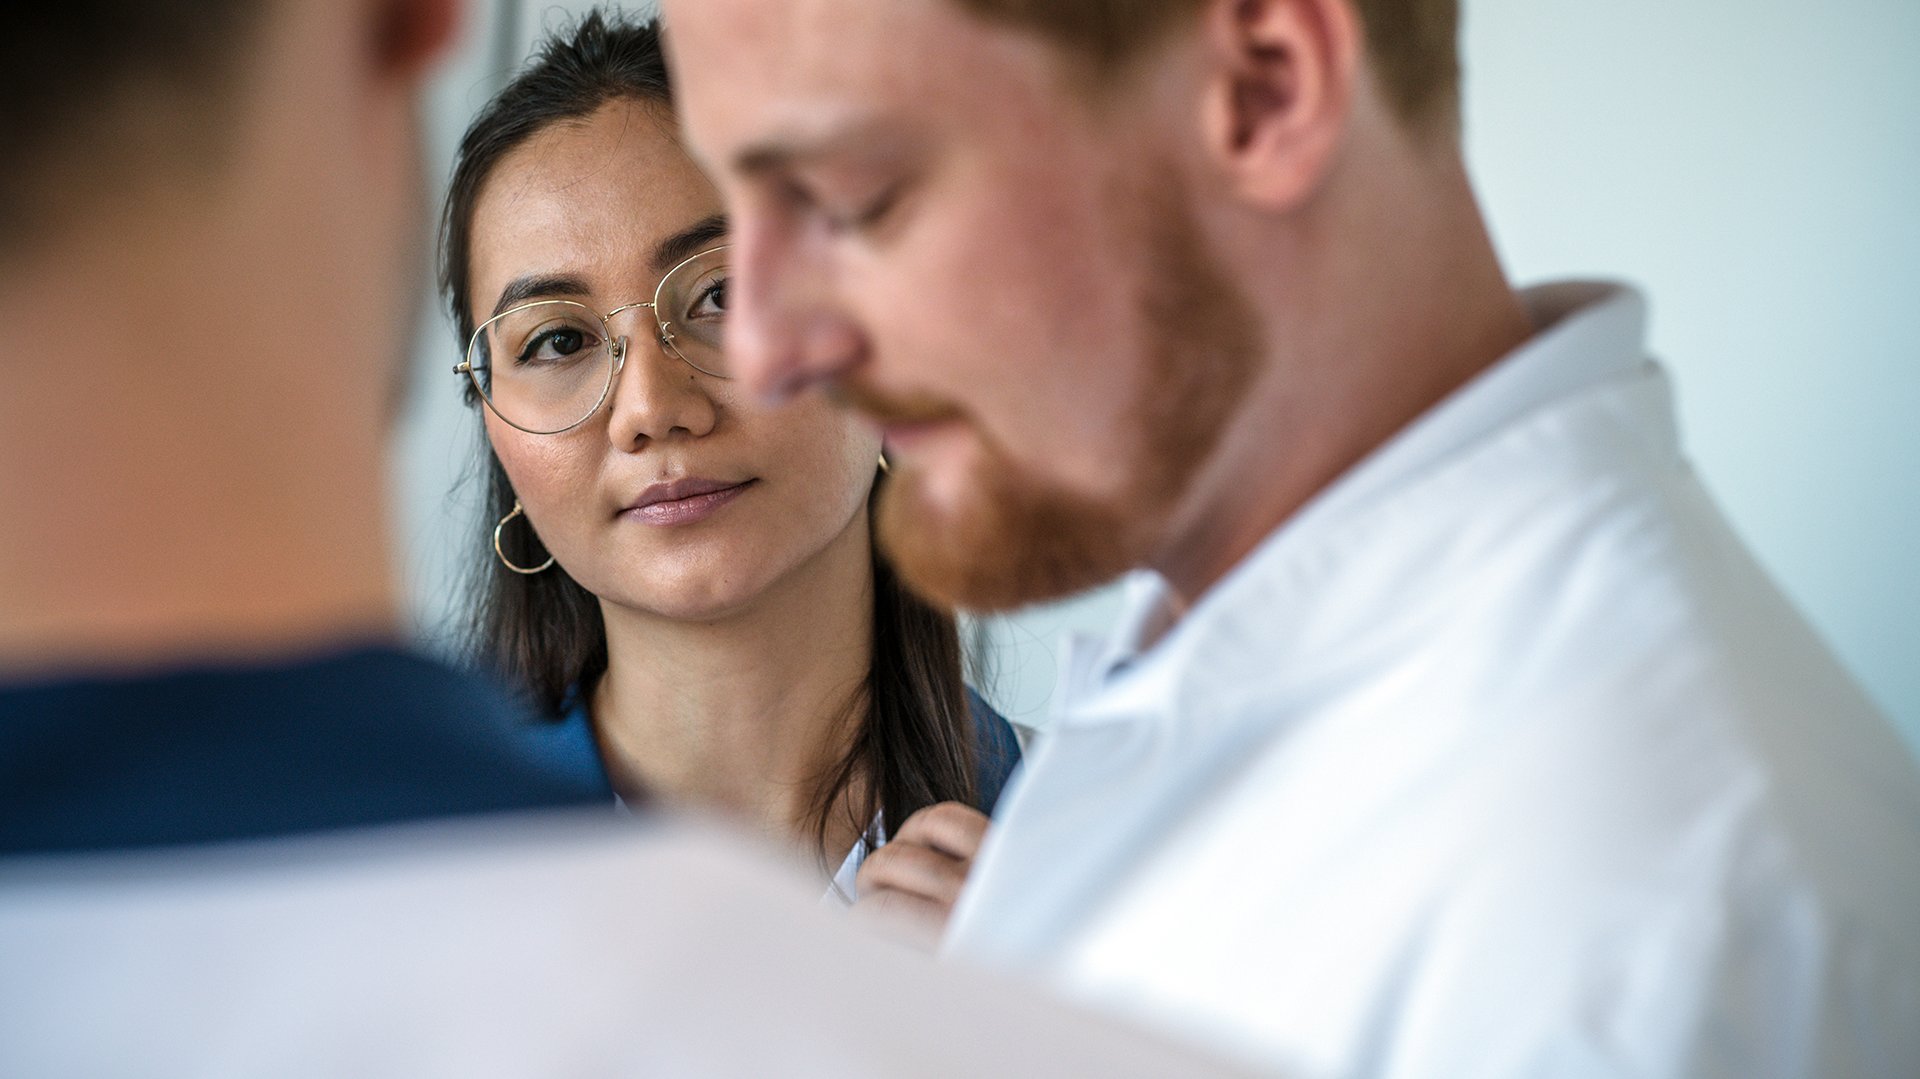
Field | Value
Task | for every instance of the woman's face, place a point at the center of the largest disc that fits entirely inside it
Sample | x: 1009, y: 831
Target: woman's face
x: 593, y: 202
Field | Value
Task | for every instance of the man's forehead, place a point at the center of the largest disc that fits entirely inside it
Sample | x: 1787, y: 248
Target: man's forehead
x: 802, y: 32
x: 798, y: 71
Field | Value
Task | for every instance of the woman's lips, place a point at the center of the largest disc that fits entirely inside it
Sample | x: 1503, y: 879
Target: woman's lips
x: 684, y: 502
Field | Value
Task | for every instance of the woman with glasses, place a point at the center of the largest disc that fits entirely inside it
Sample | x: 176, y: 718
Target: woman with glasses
x: 684, y: 582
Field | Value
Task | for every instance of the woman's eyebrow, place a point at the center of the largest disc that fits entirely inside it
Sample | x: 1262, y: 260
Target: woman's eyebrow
x: 688, y: 242
x: 538, y: 286
x: 667, y: 254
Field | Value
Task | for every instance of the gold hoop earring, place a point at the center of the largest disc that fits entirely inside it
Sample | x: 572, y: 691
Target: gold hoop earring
x: 502, y: 555
x: 885, y: 468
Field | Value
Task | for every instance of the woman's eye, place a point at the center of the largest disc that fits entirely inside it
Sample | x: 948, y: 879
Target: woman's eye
x: 711, y: 301
x: 555, y: 345
x: 706, y: 300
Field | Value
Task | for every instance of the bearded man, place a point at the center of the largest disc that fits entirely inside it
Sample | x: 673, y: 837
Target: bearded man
x: 1450, y: 730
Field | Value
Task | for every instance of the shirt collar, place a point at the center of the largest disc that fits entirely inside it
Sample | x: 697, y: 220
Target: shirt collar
x: 1590, y: 332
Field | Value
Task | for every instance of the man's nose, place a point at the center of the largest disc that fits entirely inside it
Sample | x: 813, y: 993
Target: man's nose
x: 785, y: 331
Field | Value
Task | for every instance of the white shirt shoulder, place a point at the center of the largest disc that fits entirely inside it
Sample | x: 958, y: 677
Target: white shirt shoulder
x: 1501, y: 759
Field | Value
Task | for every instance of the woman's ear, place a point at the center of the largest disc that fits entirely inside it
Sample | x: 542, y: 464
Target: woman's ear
x: 1279, y: 92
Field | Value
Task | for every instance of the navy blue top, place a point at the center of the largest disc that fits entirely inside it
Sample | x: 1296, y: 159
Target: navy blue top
x: 567, y: 747
x: 347, y: 739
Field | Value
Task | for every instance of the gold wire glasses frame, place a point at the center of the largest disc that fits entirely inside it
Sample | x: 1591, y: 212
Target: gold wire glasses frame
x: 561, y: 358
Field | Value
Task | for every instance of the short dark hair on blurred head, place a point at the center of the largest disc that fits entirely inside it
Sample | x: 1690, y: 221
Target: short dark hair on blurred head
x: 101, y: 94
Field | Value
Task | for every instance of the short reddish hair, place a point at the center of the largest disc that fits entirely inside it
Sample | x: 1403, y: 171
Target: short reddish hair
x: 1414, y: 43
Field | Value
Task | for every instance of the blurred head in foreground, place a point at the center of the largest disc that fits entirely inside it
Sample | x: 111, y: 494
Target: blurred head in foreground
x: 211, y: 229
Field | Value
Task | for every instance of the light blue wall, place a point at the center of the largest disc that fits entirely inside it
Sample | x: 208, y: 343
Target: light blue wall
x: 1754, y: 163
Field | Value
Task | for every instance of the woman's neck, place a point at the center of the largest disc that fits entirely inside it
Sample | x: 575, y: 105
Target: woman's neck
x: 748, y: 714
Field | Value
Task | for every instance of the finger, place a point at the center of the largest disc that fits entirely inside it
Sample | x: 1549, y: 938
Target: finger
x: 887, y: 903
x: 913, y: 869
x: 952, y: 827
x: 910, y: 919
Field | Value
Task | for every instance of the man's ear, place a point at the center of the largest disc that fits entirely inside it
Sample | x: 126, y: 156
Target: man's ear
x: 1280, y: 89
x: 410, y: 36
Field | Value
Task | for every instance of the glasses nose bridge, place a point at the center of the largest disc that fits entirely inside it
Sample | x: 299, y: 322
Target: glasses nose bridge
x: 621, y: 342
x: 625, y: 307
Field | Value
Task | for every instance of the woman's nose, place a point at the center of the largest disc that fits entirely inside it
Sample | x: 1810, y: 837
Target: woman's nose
x: 657, y: 396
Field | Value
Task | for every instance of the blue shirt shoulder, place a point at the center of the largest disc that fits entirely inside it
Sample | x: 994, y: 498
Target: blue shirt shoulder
x: 216, y: 753
x: 996, y: 751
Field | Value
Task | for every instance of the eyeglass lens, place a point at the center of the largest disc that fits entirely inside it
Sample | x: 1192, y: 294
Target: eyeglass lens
x: 545, y: 367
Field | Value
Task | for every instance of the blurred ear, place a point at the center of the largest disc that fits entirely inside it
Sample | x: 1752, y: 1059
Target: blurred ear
x: 1280, y: 89
x: 410, y: 36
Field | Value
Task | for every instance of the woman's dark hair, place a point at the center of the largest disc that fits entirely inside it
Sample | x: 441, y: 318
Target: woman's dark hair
x: 914, y: 744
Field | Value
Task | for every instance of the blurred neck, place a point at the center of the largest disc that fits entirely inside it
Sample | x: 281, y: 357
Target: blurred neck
x: 190, y: 470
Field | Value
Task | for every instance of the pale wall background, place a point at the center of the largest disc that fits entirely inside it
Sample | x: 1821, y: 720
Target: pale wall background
x: 1754, y: 164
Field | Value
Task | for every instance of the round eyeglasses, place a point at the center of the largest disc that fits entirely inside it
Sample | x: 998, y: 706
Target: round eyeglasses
x: 546, y: 367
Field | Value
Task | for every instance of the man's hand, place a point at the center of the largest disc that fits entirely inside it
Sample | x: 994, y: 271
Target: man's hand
x: 912, y: 882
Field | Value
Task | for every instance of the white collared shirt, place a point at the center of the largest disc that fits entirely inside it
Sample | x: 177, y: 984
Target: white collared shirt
x: 1501, y: 758
x: 843, y: 890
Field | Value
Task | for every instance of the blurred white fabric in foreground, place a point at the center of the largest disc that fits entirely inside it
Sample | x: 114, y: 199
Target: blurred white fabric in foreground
x: 554, y: 946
